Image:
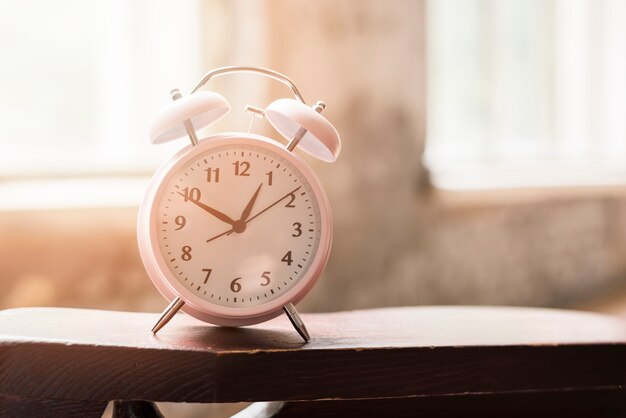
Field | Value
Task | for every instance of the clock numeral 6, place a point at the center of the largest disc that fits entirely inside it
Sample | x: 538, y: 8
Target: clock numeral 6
x: 241, y: 168
x: 191, y: 194
x: 180, y: 221
x: 186, y: 255
x: 235, y: 286
x: 287, y: 258
x: 298, y: 227
x: 266, y: 276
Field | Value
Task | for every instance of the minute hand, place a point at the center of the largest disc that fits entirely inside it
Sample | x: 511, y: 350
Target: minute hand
x: 275, y: 203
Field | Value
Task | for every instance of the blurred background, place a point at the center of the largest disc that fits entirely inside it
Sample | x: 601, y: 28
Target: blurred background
x: 484, y: 143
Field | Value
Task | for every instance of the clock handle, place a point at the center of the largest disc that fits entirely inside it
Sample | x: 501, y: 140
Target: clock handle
x: 296, y: 321
x: 254, y: 70
x: 168, y: 314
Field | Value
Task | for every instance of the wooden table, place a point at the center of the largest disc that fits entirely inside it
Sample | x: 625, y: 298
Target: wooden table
x: 432, y: 361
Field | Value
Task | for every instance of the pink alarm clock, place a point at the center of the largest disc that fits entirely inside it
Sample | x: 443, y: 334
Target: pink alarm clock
x: 236, y: 228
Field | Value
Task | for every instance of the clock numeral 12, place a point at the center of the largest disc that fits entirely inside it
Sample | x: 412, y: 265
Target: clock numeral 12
x: 241, y: 168
x: 212, y: 174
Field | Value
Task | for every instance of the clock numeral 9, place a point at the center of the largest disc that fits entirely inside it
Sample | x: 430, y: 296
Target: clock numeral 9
x: 212, y: 174
x: 298, y: 227
x: 287, y: 258
x: 241, y: 168
x: 290, y: 204
x: 191, y: 194
x: 186, y: 255
x: 235, y: 286
x: 180, y: 221
x: 266, y: 276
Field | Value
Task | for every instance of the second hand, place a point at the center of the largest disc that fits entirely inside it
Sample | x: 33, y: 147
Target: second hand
x: 230, y: 231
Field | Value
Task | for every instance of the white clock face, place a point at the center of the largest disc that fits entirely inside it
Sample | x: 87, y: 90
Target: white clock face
x: 238, y: 225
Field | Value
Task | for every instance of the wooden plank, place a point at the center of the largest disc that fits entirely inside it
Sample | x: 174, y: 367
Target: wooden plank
x: 565, y: 404
x: 384, y: 353
x: 15, y: 407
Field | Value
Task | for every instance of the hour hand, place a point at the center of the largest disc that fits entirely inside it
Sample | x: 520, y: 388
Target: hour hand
x: 219, y: 215
x: 246, y: 212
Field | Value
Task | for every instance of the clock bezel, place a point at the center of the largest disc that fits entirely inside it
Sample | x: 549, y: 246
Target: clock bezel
x: 169, y: 286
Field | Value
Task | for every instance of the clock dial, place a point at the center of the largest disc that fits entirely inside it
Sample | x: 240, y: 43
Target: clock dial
x: 238, y: 225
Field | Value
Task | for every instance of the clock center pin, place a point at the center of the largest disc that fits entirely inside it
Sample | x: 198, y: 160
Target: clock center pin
x: 239, y: 226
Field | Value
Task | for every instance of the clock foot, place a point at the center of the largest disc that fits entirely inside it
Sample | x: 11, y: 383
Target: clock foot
x: 168, y: 314
x: 296, y: 321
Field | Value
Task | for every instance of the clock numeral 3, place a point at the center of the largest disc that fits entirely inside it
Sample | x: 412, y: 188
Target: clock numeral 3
x: 191, y: 194
x: 180, y: 221
x: 212, y: 174
x: 208, y: 273
x: 186, y: 255
x: 241, y: 168
x: 290, y: 204
x: 266, y: 276
x: 235, y: 286
x: 287, y: 258
x: 298, y: 227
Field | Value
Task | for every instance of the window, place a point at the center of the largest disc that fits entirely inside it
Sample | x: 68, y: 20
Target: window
x: 75, y: 126
x: 103, y: 70
x: 526, y: 92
